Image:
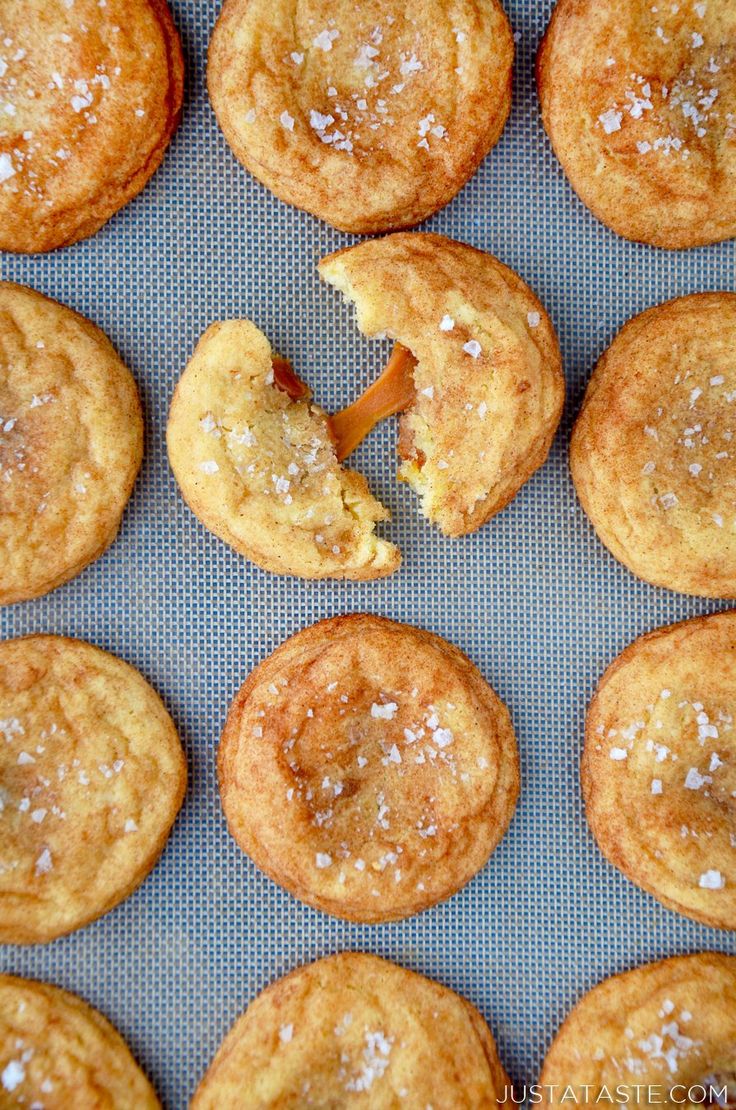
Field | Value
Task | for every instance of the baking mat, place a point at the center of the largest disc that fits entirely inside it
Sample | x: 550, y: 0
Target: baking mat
x: 533, y: 598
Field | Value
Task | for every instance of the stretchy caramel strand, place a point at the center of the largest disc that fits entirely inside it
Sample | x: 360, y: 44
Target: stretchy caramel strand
x: 392, y: 393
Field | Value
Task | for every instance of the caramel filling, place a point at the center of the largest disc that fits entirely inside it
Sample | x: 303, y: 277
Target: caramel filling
x: 392, y: 393
x: 286, y: 380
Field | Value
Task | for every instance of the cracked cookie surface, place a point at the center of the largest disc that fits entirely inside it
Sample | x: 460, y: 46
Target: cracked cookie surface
x: 652, y: 454
x: 368, y: 768
x: 371, y: 116
x: 356, y: 1031
x: 489, y: 383
x: 668, y: 1026
x: 639, y: 101
x: 92, y: 777
x: 56, y: 1052
x: 659, y: 766
x: 71, y: 443
x: 90, y: 95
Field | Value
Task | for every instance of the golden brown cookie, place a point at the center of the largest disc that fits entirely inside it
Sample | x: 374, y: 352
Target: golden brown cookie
x: 659, y: 767
x: 652, y: 1036
x: 489, y: 384
x: 639, y: 101
x: 355, y: 1031
x: 92, y: 775
x: 90, y: 95
x: 653, y: 454
x: 371, y: 116
x: 368, y: 768
x: 71, y: 443
x: 56, y: 1053
x: 259, y: 469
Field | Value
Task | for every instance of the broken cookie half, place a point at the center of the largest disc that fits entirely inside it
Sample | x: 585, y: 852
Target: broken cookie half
x: 476, y: 373
x: 256, y: 463
x: 487, y: 370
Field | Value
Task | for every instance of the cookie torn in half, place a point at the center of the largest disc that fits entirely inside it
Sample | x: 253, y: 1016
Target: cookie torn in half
x: 476, y: 373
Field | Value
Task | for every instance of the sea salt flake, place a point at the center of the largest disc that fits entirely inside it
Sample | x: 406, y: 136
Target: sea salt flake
x: 473, y: 348
x: 286, y: 1032
x: 618, y: 754
x: 44, y: 863
x: 286, y: 121
x: 534, y: 319
x: 7, y: 169
x: 695, y: 780
x: 384, y: 712
x: 447, y: 323
x: 611, y: 121
x: 209, y: 467
x: 13, y: 1075
x: 711, y: 880
x: 323, y: 860
x: 325, y: 39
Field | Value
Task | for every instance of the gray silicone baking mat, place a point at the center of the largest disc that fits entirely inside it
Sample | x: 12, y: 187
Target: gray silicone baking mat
x: 533, y: 598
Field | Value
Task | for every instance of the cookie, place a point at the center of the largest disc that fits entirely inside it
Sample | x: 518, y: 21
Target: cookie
x: 355, y: 1030
x: 659, y: 767
x: 258, y: 466
x: 639, y: 101
x: 652, y: 455
x: 368, y: 768
x: 92, y: 775
x: 649, y: 1037
x: 489, y: 384
x: 56, y: 1051
x: 71, y: 443
x: 370, y: 116
x: 90, y: 95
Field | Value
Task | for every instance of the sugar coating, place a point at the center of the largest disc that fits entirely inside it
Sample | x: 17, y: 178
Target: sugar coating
x: 71, y: 441
x: 90, y: 95
x: 663, y: 1023
x: 56, y: 1051
x: 92, y: 777
x: 663, y: 807
x: 653, y: 455
x: 364, y: 792
x: 356, y: 1029
x: 640, y: 104
x: 387, y: 119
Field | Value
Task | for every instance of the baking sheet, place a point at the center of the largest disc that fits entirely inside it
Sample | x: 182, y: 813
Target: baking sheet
x: 533, y: 598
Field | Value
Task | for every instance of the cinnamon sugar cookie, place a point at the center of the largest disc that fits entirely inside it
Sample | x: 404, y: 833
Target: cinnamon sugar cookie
x: 90, y: 95
x: 650, y: 1037
x: 368, y: 768
x: 355, y: 1031
x: 370, y: 116
x: 71, y: 442
x: 56, y: 1052
x: 92, y: 775
x: 488, y: 378
x: 258, y: 465
x: 653, y: 454
x: 659, y: 768
x: 639, y: 100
